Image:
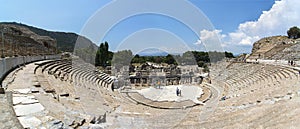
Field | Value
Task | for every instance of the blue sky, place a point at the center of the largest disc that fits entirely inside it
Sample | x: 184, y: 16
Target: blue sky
x: 236, y: 23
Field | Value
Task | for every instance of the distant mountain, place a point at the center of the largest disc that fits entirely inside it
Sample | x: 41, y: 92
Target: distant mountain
x: 65, y: 40
x: 153, y: 52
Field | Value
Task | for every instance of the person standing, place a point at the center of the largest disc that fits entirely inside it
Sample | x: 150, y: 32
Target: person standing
x: 179, y: 92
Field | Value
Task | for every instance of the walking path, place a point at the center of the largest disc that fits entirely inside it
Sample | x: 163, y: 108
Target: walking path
x: 29, y: 111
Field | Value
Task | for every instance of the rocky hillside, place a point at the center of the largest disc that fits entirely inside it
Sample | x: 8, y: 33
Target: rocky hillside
x: 65, y: 41
x: 276, y: 47
x: 18, y: 40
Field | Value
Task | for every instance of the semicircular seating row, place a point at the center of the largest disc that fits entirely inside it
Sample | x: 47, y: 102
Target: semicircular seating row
x: 246, y: 79
x: 78, y: 72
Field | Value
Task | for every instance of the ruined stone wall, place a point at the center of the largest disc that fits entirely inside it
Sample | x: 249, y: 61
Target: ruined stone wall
x: 8, y: 64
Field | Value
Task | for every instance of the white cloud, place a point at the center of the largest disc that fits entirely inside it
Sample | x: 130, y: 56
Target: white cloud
x: 276, y: 21
x: 283, y: 15
x: 207, y: 36
x: 198, y: 42
x: 211, y: 40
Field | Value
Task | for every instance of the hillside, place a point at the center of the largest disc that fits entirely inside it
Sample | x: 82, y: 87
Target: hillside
x: 19, y: 40
x: 65, y: 40
x: 276, y: 47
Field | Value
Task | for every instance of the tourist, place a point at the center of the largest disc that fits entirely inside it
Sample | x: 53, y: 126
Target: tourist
x: 294, y: 64
x: 177, y: 91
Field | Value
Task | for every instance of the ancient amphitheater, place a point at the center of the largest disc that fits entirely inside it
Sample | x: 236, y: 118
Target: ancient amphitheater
x: 50, y: 92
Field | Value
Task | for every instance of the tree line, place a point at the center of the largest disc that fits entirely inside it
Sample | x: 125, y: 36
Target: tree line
x: 104, y: 57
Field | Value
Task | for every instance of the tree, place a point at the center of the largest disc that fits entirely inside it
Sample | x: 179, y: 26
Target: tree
x: 169, y: 59
x: 228, y: 55
x: 102, y: 55
x: 138, y: 59
x: 201, y: 63
x: 294, y: 32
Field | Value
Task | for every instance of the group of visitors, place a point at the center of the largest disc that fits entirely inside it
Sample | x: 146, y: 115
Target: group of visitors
x: 291, y: 62
x: 178, y: 92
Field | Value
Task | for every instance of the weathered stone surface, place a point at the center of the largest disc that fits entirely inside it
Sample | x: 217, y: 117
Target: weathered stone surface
x: 24, y: 100
x: 98, y: 119
x: 8, y: 120
x: 22, y: 91
x: 96, y: 127
x: 37, y: 84
x: 29, y: 121
x: 22, y: 110
x: 34, y: 90
x: 102, y: 119
x: 56, y: 124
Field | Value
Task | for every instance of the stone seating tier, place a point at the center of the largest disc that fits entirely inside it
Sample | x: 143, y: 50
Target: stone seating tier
x: 78, y: 71
x: 255, y: 81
